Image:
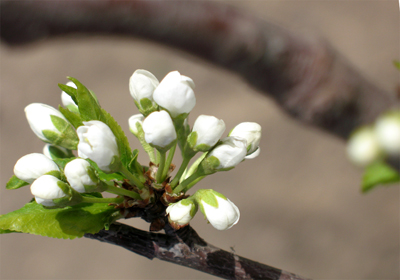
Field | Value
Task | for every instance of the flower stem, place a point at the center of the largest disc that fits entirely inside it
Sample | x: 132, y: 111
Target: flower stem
x: 121, y: 191
x: 194, y: 182
x: 115, y: 200
x: 187, y: 181
x: 132, y: 179
x: 178, y: 175
x: 160, y: 170
x: 169, y: 161
x: 148, y: 149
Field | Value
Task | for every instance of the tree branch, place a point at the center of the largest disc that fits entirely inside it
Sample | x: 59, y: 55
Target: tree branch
x: 186, y: 248
x: 305, y: 75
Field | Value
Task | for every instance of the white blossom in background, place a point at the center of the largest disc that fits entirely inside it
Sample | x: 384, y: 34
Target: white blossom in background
x: 142, y: 85
x: 97, y: 142
x: 30, y: 167
x: 76, y: 172
x: 219, y: 211
x: 209, y: 130
x: 175, y: 94
x: 363, y: 147
x: 250, y: 131
x: 67, y: 100
x: 181, y: 212
x: 159, y: 130
x: 45, y: 189
x: 387, y: 129
x: 230, y: 152
x: 133, y: 121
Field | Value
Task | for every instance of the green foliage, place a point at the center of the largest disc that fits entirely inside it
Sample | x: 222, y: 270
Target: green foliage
x: 67, y: 223
x: 74, y: 118
x: 15, y: 183
x: 378, y: 173
x: 105, y: 176
x: 397, y: 64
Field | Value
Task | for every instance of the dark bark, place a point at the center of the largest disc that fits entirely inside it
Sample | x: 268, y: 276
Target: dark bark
x: 186, y: 248
x: 304, y: 74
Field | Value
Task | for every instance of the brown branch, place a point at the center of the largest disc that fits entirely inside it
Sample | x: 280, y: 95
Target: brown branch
x: 186, y: 248
x: 305, y: 75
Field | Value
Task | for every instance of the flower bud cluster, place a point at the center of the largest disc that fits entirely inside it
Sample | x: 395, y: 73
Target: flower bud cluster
x: 369, y: 144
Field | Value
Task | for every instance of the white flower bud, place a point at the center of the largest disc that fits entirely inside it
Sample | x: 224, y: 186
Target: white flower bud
x: 32, y: 166
x: 76, y: 172
x: 387, y: 129
x: 209, y: 130
x: 53, y: 151
x: 175, y: 94
x: 159, y: 130
x: 45, y: 189
x: 133, y: 121
x: 97, y: 142
x: 230, y: 152
x: 50, y: 125
x: 67, y: 100
x: 250, y: 131
x: 219, y: 211
x: 181, y: 212
x: 363, y: 147
x: 142, y: 85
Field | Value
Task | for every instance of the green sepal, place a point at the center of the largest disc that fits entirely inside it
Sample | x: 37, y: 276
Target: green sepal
x: 57, y: 152
x: 73, y: 117
x: 62, y: 162
x: 66, y: 137
x: 182, y: 130
x: 190, y: 201
x: 164, y: 149
x: 202, y: 148
x: 88, y: 106
x: 378, y: 173
x: 191, y: 140
x: 55, y: 173
x: 104, y: 176
x: 147, y: 106
x: 208, y: 196
x: 72, y: 196
x: 15, y: 183
x: 209, y: 165
x: 67, y: 223
x: 70, y: 91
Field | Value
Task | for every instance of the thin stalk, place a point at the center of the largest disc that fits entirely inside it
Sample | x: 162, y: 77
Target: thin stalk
x: 121, y: 191
x: 158, y: 156
x: 132, y: 179
x: 193, y: 183
x: 115, y: 200
x: 187, y: 181
x: 160, y: 170
x: 182, y: 169
x: 169, y: 161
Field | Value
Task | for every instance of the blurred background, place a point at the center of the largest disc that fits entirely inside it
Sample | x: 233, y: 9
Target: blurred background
x: 301, y: 208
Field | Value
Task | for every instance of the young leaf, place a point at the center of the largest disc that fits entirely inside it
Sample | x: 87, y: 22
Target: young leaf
x: 89, y: 108
x: 66, y: 223
x: 122, y: 141
x: 15, y: 183
x: 74, y: 118
x: 377, y: 174
x: 69, y: 90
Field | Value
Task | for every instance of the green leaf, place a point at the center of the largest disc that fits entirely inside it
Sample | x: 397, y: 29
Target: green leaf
x: 105, y: 176
x: 70, y: 91
x: 15, y: 183
x: 397, y: 64
x: 88, y: 106
x: 63, y: 161
x: 68, y: 223
x: 2, y: 231
x: 74, y: 118
x: 378, y: 173
x: 122, y: 141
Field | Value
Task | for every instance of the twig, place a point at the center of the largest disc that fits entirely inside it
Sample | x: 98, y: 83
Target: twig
x: 186, y: 248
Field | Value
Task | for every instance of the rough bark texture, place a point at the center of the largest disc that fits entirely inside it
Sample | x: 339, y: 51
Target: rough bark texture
x: 305, y: 75
x: 186, y: 248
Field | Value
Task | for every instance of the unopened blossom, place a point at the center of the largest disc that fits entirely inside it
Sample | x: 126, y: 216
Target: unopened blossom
x: 67, y: 100
x: 50, y: 125
x: 134, y: 121
x: 250, y: 131
x: 142, y: 85
x: 159, y: 130
x: 175, y: 94
x: 219, y: 211
x: 79, y: 175
x: 363, y: 147
x: 32, y: 166
x: 208, y: 130
x: 45, y: 189
x: 181, y: 212
x: 387, y: 129
x: 97, y: 142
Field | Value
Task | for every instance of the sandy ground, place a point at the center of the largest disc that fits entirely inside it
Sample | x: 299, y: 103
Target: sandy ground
x: 301, y: 209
